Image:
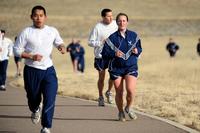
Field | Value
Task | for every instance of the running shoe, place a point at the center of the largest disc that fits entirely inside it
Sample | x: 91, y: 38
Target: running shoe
x: 101, y: 101
x: 130, y: 113
x: 35, y: 117
x: 121, y: 116
x: 109, y: 97
x: 45, y: 130
x: 2, y: 87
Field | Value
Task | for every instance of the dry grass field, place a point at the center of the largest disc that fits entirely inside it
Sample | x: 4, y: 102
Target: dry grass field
x: 76, y: 17
x: 166, y: 87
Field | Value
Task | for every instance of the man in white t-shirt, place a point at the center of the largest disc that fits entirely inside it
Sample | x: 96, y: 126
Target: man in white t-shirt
x: 100, y: 32
x: 6, y: 50
x: 35, y: 44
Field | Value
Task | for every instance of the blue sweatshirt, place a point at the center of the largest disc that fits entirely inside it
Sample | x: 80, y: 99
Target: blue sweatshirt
x: 116, y: 42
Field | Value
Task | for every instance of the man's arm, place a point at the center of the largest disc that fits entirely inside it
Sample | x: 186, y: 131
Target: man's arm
x: 61, y: 48
x: 93, y: 39
x: 35, y: 57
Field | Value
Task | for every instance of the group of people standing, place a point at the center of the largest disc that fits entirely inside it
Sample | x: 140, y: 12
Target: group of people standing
x: 116, y: 48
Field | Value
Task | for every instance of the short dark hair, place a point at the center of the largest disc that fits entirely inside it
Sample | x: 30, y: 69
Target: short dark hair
x: 38, y: 7
x: 104, y: 11
x: 121, y: 14
x: 3, y: 31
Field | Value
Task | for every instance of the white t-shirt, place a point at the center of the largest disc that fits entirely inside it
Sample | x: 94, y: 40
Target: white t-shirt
x: 38, y: 41
x: 98, y: 35
x: 6, y: 46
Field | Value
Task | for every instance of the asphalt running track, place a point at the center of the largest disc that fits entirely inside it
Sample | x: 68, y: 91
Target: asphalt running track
x: 78, y: 116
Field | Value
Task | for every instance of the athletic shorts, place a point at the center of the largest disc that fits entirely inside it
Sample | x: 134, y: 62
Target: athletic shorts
x: 74, y: 57
x: 100, y: 64
x: 121, y: 72
x: 17, y: 59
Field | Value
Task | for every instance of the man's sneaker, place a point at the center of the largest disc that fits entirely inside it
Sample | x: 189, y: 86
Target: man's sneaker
x: 2, y: 87
x: 101, y: 101
x: 45, y: 130
x: 130, y: 113
x: 35, y: 117
x: 109, y: 97
x: 121, y: 116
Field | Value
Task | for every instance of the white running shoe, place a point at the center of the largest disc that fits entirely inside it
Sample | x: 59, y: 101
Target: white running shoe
x: 121, y: 116
x: 45, y: 130
x: 101, y: 101
x: 2, y: 87
x: 109, y: 97
x: 35, y: 117
x: 130, y: 113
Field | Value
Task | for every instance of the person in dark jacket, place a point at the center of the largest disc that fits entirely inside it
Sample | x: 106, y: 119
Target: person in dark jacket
x: 172, y: 47
x: 198, y: 47
x: 81, y: 59
x: 123, y: 48
x: 73, y: 48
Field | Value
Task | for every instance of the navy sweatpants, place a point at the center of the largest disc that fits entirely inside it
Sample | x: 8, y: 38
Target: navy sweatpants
x: 81, y: 64
x: 40, y: 83
x: 3, y: 71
